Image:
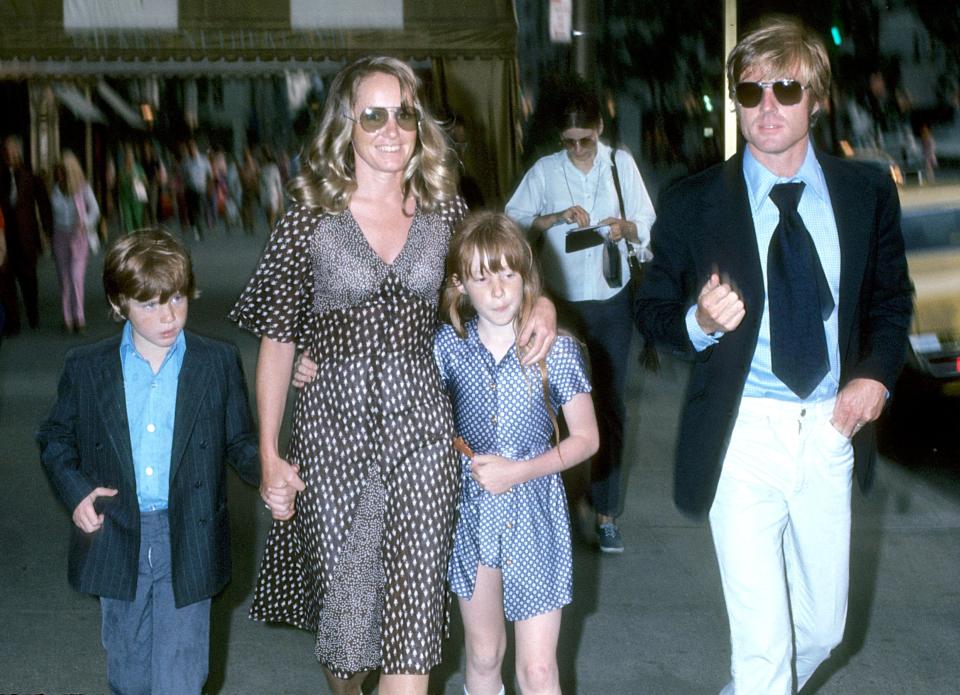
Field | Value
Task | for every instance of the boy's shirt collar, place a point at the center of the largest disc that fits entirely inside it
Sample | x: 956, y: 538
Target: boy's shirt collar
x: 175, y: 353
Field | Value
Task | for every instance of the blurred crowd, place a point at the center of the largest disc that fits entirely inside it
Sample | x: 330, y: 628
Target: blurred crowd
x: 201, y: 189
x: 196, y: 190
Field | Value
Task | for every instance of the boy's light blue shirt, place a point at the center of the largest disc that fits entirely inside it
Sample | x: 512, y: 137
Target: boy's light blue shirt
x: 151, y: 408
x: 817, y: 213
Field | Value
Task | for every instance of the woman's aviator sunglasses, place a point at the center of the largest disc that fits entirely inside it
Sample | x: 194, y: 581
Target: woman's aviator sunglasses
x: 787, y: 92
x: 373, y: 118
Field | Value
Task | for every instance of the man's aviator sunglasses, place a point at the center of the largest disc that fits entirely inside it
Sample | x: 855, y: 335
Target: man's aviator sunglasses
x: 373, y: 118
x: 787, y: 92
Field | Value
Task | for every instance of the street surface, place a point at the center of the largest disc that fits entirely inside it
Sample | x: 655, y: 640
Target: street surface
x: 649, y: 621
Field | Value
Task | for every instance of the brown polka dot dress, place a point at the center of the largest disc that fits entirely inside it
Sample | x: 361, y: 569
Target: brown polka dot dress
x: 363, y: 562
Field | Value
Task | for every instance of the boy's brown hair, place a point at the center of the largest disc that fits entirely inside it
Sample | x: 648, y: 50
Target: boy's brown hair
x: 146, y: 264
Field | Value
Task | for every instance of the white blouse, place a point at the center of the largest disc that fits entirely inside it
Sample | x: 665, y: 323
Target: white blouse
x: 554, y: 184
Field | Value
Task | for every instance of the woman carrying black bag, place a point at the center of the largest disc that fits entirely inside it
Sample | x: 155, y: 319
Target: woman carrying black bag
x: 588, y: 208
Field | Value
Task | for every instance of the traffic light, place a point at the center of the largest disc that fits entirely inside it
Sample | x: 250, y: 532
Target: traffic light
x: 835, y: 34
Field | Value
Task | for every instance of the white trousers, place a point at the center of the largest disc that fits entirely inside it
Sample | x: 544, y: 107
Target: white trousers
x: 781, y: 528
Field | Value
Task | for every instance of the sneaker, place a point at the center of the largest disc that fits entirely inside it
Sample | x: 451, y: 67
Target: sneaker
x: 609, y: 539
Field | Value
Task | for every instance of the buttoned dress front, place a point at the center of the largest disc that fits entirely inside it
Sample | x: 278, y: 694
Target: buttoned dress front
x: 499, y: 408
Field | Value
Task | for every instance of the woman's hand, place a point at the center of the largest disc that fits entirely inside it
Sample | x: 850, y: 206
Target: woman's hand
x: 621, y: 229
x: 495, y: 474
x: 539, y: 332
x: 574, y: 215
x: 304, y: 370
x: 279, y: 484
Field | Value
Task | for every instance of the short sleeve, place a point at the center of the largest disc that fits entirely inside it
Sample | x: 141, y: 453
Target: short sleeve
x: 566, y: 370
x: 277, y: 299
x: 453, y: 211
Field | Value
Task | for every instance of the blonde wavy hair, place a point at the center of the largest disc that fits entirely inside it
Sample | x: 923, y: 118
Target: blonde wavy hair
x: 327, y: 176
x: 498, y: 242
x: 72, y: 172
x: 779, y: 46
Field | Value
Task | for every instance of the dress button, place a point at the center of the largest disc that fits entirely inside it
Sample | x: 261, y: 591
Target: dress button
x: 509, y: 524
x: 493, y: 419
x: 151, y: 427
x: 493, y: 385
x: 149, y: 470
x: 509, y: 563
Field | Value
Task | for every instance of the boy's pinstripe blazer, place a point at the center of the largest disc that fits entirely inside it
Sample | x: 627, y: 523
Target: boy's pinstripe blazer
x: 85, y: 443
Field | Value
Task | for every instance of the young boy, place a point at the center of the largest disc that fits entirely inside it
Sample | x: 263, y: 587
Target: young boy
x: 135, y: 446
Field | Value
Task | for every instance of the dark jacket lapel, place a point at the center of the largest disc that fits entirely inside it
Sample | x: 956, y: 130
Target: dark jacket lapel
x: 742, y: 261
x: 191, y: 385
x: 851, y: 214
x: 112, y: 404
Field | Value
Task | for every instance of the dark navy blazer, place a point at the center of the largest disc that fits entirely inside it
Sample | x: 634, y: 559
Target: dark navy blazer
x: 704, y: 225
x: 85, y: 443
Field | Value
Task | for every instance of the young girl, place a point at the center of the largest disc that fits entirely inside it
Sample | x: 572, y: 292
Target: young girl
x: 512, y: 557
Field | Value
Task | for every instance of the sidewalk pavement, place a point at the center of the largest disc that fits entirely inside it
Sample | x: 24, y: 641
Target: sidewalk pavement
x: 648, y: 621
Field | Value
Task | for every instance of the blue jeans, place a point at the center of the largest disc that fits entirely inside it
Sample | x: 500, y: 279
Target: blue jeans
x: 606, y: 326
x: 152, y: 646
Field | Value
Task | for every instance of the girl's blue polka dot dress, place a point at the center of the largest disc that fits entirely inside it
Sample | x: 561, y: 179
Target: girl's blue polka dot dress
x: 524, y: 532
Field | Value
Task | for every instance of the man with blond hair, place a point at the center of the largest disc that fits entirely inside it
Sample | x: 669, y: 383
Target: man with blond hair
x: 781, y: 273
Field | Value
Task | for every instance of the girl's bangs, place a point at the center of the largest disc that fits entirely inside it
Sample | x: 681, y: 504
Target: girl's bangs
x: 496, y: 253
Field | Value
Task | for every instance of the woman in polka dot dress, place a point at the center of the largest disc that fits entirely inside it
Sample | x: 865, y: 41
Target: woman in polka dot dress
x: 365, y: 499
x: 512, y: 556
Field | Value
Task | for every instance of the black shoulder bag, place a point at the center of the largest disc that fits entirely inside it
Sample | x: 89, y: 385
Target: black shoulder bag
x: 633, y: 261
x: 648, y: 355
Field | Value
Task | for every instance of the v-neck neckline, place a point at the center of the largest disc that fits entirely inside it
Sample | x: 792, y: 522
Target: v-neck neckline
x: 403, y: 248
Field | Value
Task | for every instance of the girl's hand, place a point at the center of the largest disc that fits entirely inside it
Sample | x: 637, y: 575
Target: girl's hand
x: 279, y: 484
x: 304, y: 371
x: 495, y: 474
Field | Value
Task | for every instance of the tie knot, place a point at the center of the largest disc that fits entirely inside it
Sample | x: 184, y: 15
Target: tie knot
x: 786, y: 196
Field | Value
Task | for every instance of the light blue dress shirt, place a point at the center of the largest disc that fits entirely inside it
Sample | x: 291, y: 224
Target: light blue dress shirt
x: 817, y: 213
x: 151, y: 407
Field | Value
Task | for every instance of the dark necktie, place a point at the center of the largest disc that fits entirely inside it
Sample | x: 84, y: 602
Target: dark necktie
x: 612, y: 270
x: 799, y: 297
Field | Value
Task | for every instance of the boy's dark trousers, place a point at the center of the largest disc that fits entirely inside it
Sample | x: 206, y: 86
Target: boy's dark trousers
x: 153, y: 646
